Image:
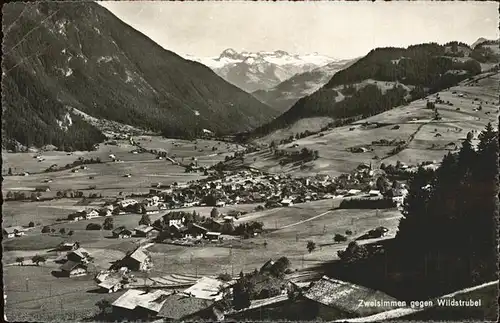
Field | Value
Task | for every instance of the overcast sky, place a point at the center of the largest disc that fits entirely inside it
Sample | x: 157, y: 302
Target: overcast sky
x: 336, y: 29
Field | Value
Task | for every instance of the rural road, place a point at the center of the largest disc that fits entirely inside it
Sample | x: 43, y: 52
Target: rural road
x: 303, y: 221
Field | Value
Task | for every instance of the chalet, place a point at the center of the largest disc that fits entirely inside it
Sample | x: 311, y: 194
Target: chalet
x: 74, y: 170
x: 178, y: 231
x: 151, y: 209
x: 79, y: 255
x: 374, y: 193
x: 126, y: 203
x: 106, y: 211
x: 68, y: 246
x: 11, y: 232
x: 111, y: 284
x: 286, y: 202
x: 144, y: 231
x: 136, y: 260
x: 73, y: 269
x: 331, y: 299
x: 267, y: 266
x: 352, y: 192
x: 152, y: 201
x: 78, y: 216
x: 213, y: 236
x: 196, y: 230
x: 139, y: 305
x: 122, y: 233
x: 90, y: 214
x: 206, y: 288
x: 179, y: 306
x: 229, y: 219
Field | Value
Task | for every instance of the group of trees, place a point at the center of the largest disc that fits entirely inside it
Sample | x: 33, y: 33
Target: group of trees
x: 260, y: 284
x: 384, y: 203
x: 454, y: 209
x: 304, y: 155
x: 79, y: 162
x: 36, y: 259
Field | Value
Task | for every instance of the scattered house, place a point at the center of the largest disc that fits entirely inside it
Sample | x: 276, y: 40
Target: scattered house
x: 178, y: 231
x: 286, y: 202
x: 396, y: 127
x: 267, y: 266
x: 136, y: 260
x: 111, y: 284
x: 73, y: 269
x: 213, y: 236
x: 220, y: 204
x: 126, y: 203
x: 127, y: 175
x: 144, y: 231
x: 196, y: 230
x: 106, y: 210
x: 90, y: 214
x: 74, y: 170
x: 331, y: 299
x: 138, y: 304
x: 78, y: 216
x: 359, y: 149
x: 79, y: 255
x: 11, y: 232
x: 68, y: 246
x: 151, y: 209
x: 122, y: 233
x: 206, y: 288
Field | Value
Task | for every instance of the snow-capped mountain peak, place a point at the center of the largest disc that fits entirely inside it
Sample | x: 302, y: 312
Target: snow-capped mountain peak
x: 261, y: 70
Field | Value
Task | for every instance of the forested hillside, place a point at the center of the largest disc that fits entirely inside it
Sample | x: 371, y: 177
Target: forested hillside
x: 382, y: 80
x: 60, y: 56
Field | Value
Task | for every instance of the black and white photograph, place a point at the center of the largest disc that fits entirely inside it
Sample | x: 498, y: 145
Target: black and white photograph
x: 260, y: 161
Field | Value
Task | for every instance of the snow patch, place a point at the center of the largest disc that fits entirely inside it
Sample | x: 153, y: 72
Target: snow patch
x: 196, y: 112
x: 66, y: 122
x: 61, y: 27
x: 105, y: 59
x: 68, y: 72
x: 129, y: 77
x: 97, y: 30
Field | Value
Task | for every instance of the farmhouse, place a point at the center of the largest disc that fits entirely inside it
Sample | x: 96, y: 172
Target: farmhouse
x: 111, y: 284
x: 136, y: 260
x: 122, y: 233
x: 126, y: 203
x: 150, y: 209
x: 137, y: 304
x: 90, y: 214
x: 79, y: 255
x: 180, y: 306
x: 374, y: 193
x: 286, y: 202
x: 144, y: 231
x: 106, y: 210
x: 68, y: 246
x: 11, y: 232
x: 206, y: 288
x: 73, y: 269
x: 196, y: 230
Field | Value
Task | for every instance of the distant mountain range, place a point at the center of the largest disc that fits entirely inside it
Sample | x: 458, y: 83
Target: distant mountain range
x: 285, y: 94
x: 63, y: 61
x: 386, y: 78
x: 261, y: 70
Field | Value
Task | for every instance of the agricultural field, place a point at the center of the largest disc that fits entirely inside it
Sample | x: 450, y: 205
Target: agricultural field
x: 427, y: 139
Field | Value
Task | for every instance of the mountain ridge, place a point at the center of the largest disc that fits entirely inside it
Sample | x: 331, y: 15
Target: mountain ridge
x: 252, y: 71
x: 60, y: 56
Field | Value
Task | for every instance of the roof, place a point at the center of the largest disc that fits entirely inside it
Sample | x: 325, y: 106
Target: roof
x: 206, y: 288
x: 80, y: 252
x: 344, y: 296
x: 118, y: 230
x: 10, y: 230
x: 139, y: 255
x: 70, y: 265
x: 144, y: 228
x: 109, y: 282
x: 213, y: 233
x: 134, y: 297
x: 199, y: 227
x: 180, y: 305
